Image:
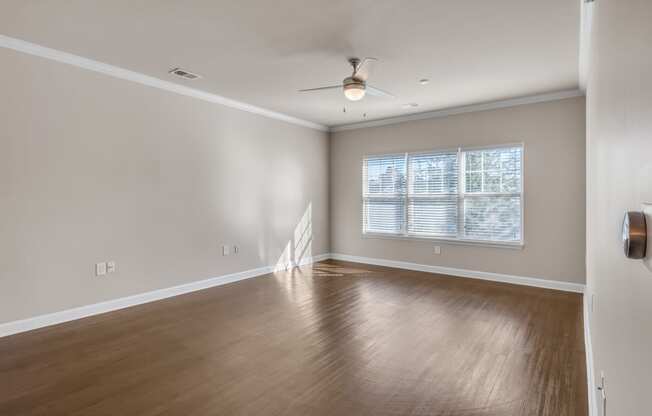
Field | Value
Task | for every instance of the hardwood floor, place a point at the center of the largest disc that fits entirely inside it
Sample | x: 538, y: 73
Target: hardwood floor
x: 334, y: 338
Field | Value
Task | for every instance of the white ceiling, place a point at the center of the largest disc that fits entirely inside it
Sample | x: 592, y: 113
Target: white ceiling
x: 261, y: 52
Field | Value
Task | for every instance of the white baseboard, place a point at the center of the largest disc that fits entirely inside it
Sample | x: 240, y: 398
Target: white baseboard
x: 588, y: 347
x: 41, y: 321
x: 494, y: 277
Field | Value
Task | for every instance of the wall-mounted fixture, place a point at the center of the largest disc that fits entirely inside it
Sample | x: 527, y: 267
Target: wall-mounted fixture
x: 634, y: 235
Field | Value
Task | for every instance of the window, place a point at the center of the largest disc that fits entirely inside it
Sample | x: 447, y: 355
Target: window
x: 384, y: 206
x: 472, y: 195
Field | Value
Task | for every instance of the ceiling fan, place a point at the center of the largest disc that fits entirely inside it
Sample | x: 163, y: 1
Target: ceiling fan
x: 355, y: 87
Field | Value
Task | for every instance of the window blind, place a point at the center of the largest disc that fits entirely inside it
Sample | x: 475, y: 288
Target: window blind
x: 464, y: 194
x: 432, y: 194
x: 384, y: 194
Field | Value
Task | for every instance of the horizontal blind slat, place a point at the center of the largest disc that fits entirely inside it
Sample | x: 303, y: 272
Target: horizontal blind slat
x: 383, y: 215
x: 433, y: 178
x: 384, y: 184
x: 433, y: 217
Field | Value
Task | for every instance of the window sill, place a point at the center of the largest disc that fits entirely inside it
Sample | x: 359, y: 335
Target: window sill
x: 519, y: 245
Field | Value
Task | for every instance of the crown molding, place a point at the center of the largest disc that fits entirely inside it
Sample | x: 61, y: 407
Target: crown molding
x: 493, y: 105
x: 586, y: 29
x: 125, y: 74
x: 121, y: 73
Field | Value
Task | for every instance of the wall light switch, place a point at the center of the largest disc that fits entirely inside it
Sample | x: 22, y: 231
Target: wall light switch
x: 100, y: 269
x: 110, y: 266
x: 236, y: 249
x: 225, y: 250
x: 437, y: 249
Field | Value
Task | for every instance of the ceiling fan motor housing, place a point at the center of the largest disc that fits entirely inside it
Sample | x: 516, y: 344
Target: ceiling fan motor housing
x: 353, y: 82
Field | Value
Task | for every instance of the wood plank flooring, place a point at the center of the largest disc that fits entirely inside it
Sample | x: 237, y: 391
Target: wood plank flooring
x: 334, y: 338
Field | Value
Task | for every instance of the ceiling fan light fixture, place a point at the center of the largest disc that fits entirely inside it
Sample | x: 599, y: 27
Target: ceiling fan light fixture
x: 355, y: 86
x: 354, y: 91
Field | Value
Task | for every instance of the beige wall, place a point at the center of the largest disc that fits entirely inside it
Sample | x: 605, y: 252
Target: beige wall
x: 94, y: 168
x: 553, y: 134
x: 619, y: 159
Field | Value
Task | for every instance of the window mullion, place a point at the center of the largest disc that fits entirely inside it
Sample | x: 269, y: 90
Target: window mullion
x: 406, y: 197
x: 365, y: 185
x: 461, y: 183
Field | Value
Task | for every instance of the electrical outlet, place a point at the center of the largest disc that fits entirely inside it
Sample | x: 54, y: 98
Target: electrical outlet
x: 100, y: 269
x: 236, y: 249
x: 225, y: 250
x: 110, y: 266
x: 437, y: 250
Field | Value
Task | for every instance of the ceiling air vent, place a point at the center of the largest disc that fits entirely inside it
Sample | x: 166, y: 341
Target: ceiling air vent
x: 184, y: 74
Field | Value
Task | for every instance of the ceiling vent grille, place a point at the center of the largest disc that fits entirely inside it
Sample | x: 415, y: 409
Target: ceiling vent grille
x: 182, y: 73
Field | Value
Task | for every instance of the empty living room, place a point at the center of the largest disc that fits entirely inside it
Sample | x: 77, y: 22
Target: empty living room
x: 325, y: 207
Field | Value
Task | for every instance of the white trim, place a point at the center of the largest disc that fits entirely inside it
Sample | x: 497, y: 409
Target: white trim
x: 121, y: 73
x: 493, y: 105
x: 588, y: 347
x: 494, y: 277
x: 520, y: 245
x: 41, y: 321
x: 586, y: 29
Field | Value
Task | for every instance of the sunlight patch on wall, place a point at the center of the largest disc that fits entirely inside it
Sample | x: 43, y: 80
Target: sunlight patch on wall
x: 299, y: 248
x: 285, y: 260
x: 303, y: 237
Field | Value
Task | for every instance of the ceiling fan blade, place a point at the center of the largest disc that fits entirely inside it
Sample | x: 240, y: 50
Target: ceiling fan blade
x: 332, y: 87
x: 362, y: 69
x: 371, y: 90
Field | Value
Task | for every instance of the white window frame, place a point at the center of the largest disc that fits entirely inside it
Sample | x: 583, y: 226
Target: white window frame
x: 461, y: 195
